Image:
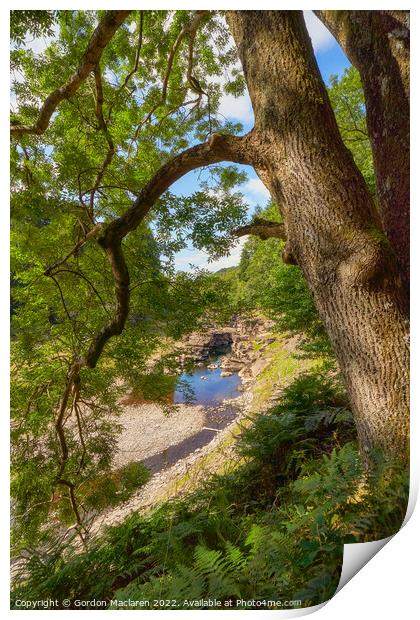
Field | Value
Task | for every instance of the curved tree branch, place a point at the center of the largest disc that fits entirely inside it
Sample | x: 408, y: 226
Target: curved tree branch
x: 109, y: 236
x: 139, y: 46
x: 122, y: 292
x: 218, y: 148
x: 97, y: 43
x: 104, y: 128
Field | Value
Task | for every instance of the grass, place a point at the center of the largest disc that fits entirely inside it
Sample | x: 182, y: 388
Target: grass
x: 283, y: 365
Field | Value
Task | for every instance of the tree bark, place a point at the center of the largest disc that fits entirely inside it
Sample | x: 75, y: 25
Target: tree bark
x: 332, y: 226
x: 377, y: 43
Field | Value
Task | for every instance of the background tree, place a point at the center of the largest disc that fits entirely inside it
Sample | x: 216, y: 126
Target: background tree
x: 348, y: 102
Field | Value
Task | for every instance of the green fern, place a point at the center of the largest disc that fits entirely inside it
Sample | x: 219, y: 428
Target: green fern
x: 273, y: 527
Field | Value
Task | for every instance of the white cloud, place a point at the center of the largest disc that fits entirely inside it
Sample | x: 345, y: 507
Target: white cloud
x: 198, y: 258
x: 321, y: 37
x: 256, y: 188
x: 40, y: 44
x: 237, y: 108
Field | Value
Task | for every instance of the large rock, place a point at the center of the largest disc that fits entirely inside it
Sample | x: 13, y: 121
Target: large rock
x: 199, y: 346
x: 238, y: 338
x: 257, y: 367
x: 232, y: 364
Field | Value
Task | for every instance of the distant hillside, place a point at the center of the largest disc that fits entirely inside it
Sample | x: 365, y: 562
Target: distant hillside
x: 226, y: 269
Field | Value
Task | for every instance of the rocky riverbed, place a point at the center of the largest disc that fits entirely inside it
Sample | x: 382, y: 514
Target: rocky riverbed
x: 150, y: 429
x: 181, y: 475
x: 244, y: 343
x: 172, y: 442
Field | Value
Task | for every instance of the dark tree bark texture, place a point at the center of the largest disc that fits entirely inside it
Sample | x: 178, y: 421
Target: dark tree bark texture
x: 378, y: 45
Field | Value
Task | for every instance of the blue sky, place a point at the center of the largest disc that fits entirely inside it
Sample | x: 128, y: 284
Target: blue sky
x: 331, y: 60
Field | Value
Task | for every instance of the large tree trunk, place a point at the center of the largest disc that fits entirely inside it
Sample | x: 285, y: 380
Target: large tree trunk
x: 377, y: 43
x: 332, y: 226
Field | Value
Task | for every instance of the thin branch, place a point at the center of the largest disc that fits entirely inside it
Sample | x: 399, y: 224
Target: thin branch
x: 28, y: 172
x: 86, y: 279
x: 124, y: 188
x: 63, y: 301
x: 192, y: 102
x: 73, y: 252
x: 264, y: 229
x: 82, y: 116
x: 128, y: 77
x: 80, y: 432
x: 97, y: 43
x: 72, y: 379
x: 351, y: 114
x: 104, y: 128
x: 139, y: 46
x: 355, y: 130
x: 122, y: 293
x: 188, y: 30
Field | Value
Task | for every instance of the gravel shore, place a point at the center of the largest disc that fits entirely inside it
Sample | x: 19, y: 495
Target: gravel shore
x: 149, y: 429
x: 163, y: 484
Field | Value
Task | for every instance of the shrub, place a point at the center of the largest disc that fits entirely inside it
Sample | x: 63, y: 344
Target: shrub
x: 134, y: 475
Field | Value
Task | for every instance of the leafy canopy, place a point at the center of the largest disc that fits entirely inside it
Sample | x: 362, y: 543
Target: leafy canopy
x: 134, y: 112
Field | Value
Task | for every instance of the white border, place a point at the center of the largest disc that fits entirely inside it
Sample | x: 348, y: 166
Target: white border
x: 386, y: 586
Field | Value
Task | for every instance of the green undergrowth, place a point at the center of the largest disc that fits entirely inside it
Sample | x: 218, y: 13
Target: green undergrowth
x: 271, y: 529
x: 281, y: 367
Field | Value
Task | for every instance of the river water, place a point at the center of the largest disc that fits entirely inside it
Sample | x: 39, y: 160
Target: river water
x: 214, y: 393
x: 205, y: 386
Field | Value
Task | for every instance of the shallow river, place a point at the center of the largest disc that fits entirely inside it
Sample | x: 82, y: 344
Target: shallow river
x: 209, y: 392
x: 206, y: 387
